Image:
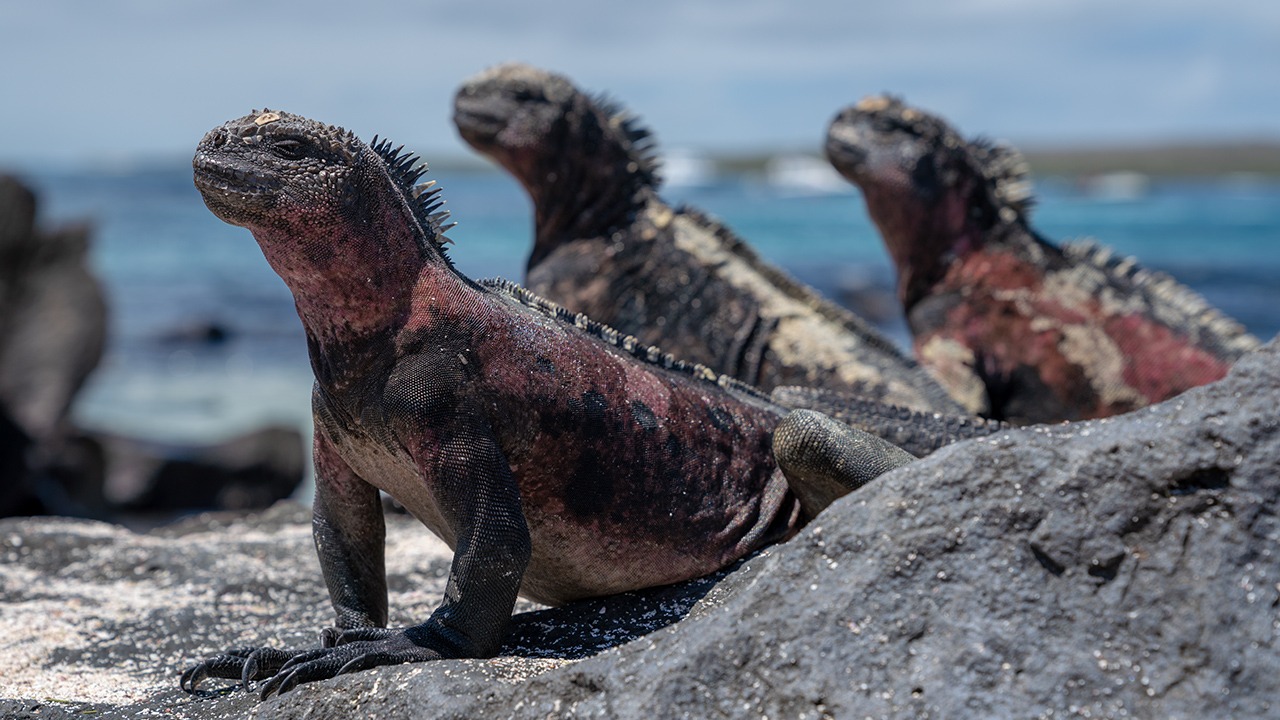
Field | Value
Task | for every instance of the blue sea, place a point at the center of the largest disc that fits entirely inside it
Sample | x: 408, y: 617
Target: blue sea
x: 171, y: 268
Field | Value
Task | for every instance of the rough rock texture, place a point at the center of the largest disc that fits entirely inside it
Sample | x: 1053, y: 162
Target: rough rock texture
x: 98, y: 619
x: 1120, y: 567
x: 97, y: 615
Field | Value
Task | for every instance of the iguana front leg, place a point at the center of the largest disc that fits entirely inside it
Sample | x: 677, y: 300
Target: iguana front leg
x: 349, y: 534
x: 824, y: 459
x: 477, y: 496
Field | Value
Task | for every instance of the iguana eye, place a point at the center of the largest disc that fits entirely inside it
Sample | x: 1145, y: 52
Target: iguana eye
x: 289, y: 149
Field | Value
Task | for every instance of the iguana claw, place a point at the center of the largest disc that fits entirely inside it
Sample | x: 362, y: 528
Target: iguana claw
x: 245, y: 664
x: 324, y: 663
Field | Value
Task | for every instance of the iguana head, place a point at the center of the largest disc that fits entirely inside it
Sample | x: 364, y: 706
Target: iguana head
x: 342, y: 222
x: 511, y: 111
x: 545, y: 131
x: 932, y: 194
x: 272, y: 168
x: 587, y: 165
x: 277, y: 173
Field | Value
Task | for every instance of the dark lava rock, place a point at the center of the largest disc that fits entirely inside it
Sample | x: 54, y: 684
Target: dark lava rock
x: 246, y: 472
x: 1113, y: 568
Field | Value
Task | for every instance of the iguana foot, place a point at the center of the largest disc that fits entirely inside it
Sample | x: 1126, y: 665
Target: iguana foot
x: 824, y: 459
x: 328, y: 662
x: 341, y: 651
x: 245, y: 664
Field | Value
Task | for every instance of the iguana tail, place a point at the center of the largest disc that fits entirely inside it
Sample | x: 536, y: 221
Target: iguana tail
x: 919, y: 433
x: 824, y: 459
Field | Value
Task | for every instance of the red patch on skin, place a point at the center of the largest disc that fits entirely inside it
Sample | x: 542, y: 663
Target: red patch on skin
x: 615, y: 497
x: 1161, y: 362
x: 1158, y: 362
x: 996, y: 329
x: 987, y: 272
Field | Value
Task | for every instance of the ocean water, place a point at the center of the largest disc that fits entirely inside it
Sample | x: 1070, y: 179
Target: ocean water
x: 172, y: 270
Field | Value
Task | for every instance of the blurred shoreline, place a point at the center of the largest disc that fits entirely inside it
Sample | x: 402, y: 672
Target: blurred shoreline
x: 1211, y: 158
x: 1190, y: 159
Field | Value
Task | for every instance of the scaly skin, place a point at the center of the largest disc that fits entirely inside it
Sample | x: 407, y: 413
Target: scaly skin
x: 1017, y: 328
x: 916, y: 432
x: 559, y: 459
x: 606, y: 245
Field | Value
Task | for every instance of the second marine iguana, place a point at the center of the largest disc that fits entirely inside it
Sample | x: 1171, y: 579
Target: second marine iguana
x: 558, y: 458
x: 608, y: 246
x: 1021, y: 329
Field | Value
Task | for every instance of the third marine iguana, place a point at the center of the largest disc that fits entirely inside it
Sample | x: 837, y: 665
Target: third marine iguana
x: 608, y: 246
x: 559, y: 458
x: 1017, y: 327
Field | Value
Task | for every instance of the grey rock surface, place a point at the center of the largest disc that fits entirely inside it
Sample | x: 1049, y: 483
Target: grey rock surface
x: 96, y: 619
x: 1127, y: 567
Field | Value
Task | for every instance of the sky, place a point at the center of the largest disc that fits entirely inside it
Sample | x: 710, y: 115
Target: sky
x: 130, y: 80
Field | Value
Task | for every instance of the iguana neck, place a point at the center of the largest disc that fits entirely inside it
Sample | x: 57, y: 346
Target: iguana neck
x: 586, y: 192
x: 351, y: 296
x: 923, y: 239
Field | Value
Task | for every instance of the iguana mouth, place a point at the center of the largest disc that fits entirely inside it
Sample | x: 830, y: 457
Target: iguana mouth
x: 212, y: 174
x: 844, y: 148
x: 476, y: 118
x: 855, y: 153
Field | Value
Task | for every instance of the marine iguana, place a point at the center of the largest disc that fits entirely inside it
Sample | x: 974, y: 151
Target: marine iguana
x: 559, y: 458
x: 55, y: 333
x: 1018, y: 328
x: 608, y: 246
x: 53, y: 329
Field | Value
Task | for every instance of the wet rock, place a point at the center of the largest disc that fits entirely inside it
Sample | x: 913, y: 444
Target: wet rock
x: 247, y: 472
x: 1119, y: 567
x: 206, y: 333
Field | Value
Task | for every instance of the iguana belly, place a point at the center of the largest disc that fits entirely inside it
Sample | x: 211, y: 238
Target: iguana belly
x: 590, y: 541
